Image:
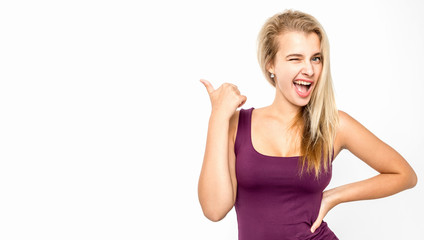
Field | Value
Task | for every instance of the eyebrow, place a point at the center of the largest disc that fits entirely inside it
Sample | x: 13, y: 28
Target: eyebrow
x: 300, y: 55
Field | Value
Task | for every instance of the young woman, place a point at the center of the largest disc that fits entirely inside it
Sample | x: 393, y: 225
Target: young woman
x: 273, y: 163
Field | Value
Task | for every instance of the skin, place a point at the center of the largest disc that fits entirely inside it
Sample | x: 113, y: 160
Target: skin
x: 218, y: 183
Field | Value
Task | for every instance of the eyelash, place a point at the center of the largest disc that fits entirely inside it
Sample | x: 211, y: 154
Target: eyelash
x: 296, y: 59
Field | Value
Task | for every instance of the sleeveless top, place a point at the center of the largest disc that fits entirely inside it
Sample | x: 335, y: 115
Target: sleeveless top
x: 273, y: 202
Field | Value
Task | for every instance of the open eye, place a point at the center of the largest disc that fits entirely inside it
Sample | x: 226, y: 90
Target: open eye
x: 316, y: 59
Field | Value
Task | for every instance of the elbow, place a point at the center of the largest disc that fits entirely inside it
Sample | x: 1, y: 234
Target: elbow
x: 413, y: 179
x: 214, y: 215
x: 215, y: 208
x: 216, y: 212
x: 409, y: 179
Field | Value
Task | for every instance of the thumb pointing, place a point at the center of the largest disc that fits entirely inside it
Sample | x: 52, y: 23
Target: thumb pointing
x: 208, y: 85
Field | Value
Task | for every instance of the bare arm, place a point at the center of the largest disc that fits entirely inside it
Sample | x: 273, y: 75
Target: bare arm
x: 217, y: 185
x: 395, y: 173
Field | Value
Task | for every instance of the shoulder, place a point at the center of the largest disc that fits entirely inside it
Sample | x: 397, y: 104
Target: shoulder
x: 346, y: 122
x: 343, y: 129
x: 348, y: 129
x: 344, y: 119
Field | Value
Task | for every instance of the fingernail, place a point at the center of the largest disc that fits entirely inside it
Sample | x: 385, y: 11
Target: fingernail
x: 312, y: 230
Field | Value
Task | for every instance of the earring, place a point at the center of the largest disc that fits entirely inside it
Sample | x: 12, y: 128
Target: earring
x: 272, y: 75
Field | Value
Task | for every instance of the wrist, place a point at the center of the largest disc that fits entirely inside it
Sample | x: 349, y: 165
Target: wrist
x: 218, y: 116
x: 333, y: 196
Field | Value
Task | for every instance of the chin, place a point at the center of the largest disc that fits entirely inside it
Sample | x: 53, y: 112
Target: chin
x: 301, y: 102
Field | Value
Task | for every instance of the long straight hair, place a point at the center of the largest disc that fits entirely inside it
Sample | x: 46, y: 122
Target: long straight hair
x: 319, y: 118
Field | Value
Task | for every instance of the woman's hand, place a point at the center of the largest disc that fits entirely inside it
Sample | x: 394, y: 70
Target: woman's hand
x: 395, y: 173
x: 327, y: 203
x: 225, y: 100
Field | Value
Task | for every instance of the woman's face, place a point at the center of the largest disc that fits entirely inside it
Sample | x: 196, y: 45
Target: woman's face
x: 297, y: 66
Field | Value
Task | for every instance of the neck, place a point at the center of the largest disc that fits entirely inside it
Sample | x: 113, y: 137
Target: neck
x: 283, y: 109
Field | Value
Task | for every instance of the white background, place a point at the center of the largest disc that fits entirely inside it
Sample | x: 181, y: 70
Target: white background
x: 103, y: 120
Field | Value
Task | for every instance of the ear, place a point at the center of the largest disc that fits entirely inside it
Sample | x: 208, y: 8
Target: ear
x: 270, y: 67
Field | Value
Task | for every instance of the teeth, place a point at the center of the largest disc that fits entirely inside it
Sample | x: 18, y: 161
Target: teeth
x: 303, y: 83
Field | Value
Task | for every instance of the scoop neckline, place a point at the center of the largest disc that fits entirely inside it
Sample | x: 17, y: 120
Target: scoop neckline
x: 253, y: 148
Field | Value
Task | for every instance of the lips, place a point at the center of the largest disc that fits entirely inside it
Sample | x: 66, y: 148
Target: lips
x: 303, y: 87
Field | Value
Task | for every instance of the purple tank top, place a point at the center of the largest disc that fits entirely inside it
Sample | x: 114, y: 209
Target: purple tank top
x: 273, y: 202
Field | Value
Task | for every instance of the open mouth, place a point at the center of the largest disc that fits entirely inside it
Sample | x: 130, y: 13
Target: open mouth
x: 302, y: 87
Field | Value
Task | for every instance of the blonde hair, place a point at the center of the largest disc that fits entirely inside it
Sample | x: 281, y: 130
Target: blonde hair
x: 319, y: 118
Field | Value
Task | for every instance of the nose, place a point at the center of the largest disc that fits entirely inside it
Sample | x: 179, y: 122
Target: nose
x: 308, y: 70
